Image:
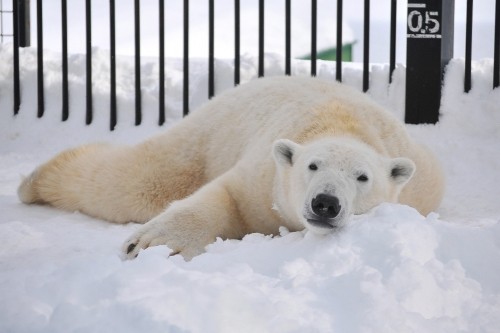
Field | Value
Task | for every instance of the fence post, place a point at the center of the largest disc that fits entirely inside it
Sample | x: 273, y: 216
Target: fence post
x: 24, y: 23
x: 88, y: 62
x: 40, y: 76
x: 15, y: 31
x: 429, y: 49
x: 496, y: 47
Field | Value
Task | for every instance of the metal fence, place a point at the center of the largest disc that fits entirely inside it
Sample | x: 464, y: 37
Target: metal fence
x: 429, y: 48
x: 4, y: 14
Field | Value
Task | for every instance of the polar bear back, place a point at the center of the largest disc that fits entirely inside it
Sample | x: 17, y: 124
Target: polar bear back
x: 299, y: 109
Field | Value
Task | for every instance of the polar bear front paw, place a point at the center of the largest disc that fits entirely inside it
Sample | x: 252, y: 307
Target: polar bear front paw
x: 172, y: 231
x: 140, y: 242
x: 134, y: 245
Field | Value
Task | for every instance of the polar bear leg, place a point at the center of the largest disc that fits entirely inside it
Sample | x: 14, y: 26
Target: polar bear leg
x: 116, y: 183
x: 188, y: 225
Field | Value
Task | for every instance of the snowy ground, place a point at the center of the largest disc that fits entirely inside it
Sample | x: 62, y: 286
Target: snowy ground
x: 391, y: 270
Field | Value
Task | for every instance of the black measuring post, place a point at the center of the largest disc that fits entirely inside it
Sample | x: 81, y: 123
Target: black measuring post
x: 137, y: 28
x: 429, y: 49
x: 496, y: 47
x: 366, y: 46
x: 338, y: 57
x: 236, y: 42
x: 64, y: 39
x: 88, y: 37
x: 39, y: 30
x: 468, y: 47
x: 392, y: 54
x: 261, y: 38
x: 161, y: 60
x: 185, y: 109
x: 113, y: 119
x: 17, y: 84
x: 211, y: 56
x: 288, y: 37
x: 314, y: 33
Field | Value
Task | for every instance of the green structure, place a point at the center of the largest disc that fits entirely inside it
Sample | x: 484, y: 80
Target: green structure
x: 331, y: 53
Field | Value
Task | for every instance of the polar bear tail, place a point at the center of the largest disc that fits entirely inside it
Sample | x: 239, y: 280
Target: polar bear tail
x: 27, y: 192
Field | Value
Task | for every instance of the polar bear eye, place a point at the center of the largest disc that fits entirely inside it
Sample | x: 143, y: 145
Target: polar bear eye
x: 313, y: 167
x: 363, y: 178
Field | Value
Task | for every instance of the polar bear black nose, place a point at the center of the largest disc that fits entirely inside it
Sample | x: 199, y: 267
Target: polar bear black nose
x: 326, y: 206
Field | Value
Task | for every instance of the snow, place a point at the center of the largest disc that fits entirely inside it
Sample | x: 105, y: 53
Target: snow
x: 390, y: 270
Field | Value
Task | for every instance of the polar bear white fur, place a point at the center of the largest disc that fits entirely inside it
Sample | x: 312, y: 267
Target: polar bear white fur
x: 284, y: 151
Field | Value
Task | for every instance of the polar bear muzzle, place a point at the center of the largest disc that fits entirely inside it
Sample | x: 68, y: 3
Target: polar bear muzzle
x: 324, y: 212
x: 326, y: 206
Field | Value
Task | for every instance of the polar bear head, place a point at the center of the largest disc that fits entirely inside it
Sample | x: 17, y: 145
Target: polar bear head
x: 320, y: 184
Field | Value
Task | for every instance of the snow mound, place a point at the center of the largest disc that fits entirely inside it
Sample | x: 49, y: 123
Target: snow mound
x: 391, y: 270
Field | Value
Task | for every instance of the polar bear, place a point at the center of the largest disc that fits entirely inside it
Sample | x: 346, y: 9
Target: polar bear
x: 283, y: 151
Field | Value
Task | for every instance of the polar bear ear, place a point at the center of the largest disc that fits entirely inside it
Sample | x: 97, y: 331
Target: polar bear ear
x: 283, y: 151
x: 402, y: 169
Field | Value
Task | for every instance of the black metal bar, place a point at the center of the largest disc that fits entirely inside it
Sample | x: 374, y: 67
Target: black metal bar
x: 39, y: 30
x: 24, y: 23
x: 261, y: 38
x: 64, y: 37
x: 88, y: 29
x: 288, y: 37
x: 429, y: 49
x: 15, y: 30
x: 236, y: 42
x: 468, y: 46
x: 314, y: 28
x: 113, y: 115
x: 186, y: 59
x: 338, y: 58
x: 161, y: 97
x: 496, y: 47
x: 366, y: 46
x: 137, y: 29
x: 392, y: 56
x: 211, y: 60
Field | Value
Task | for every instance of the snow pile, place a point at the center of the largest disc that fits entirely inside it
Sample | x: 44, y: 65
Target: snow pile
x: 391, y: 270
